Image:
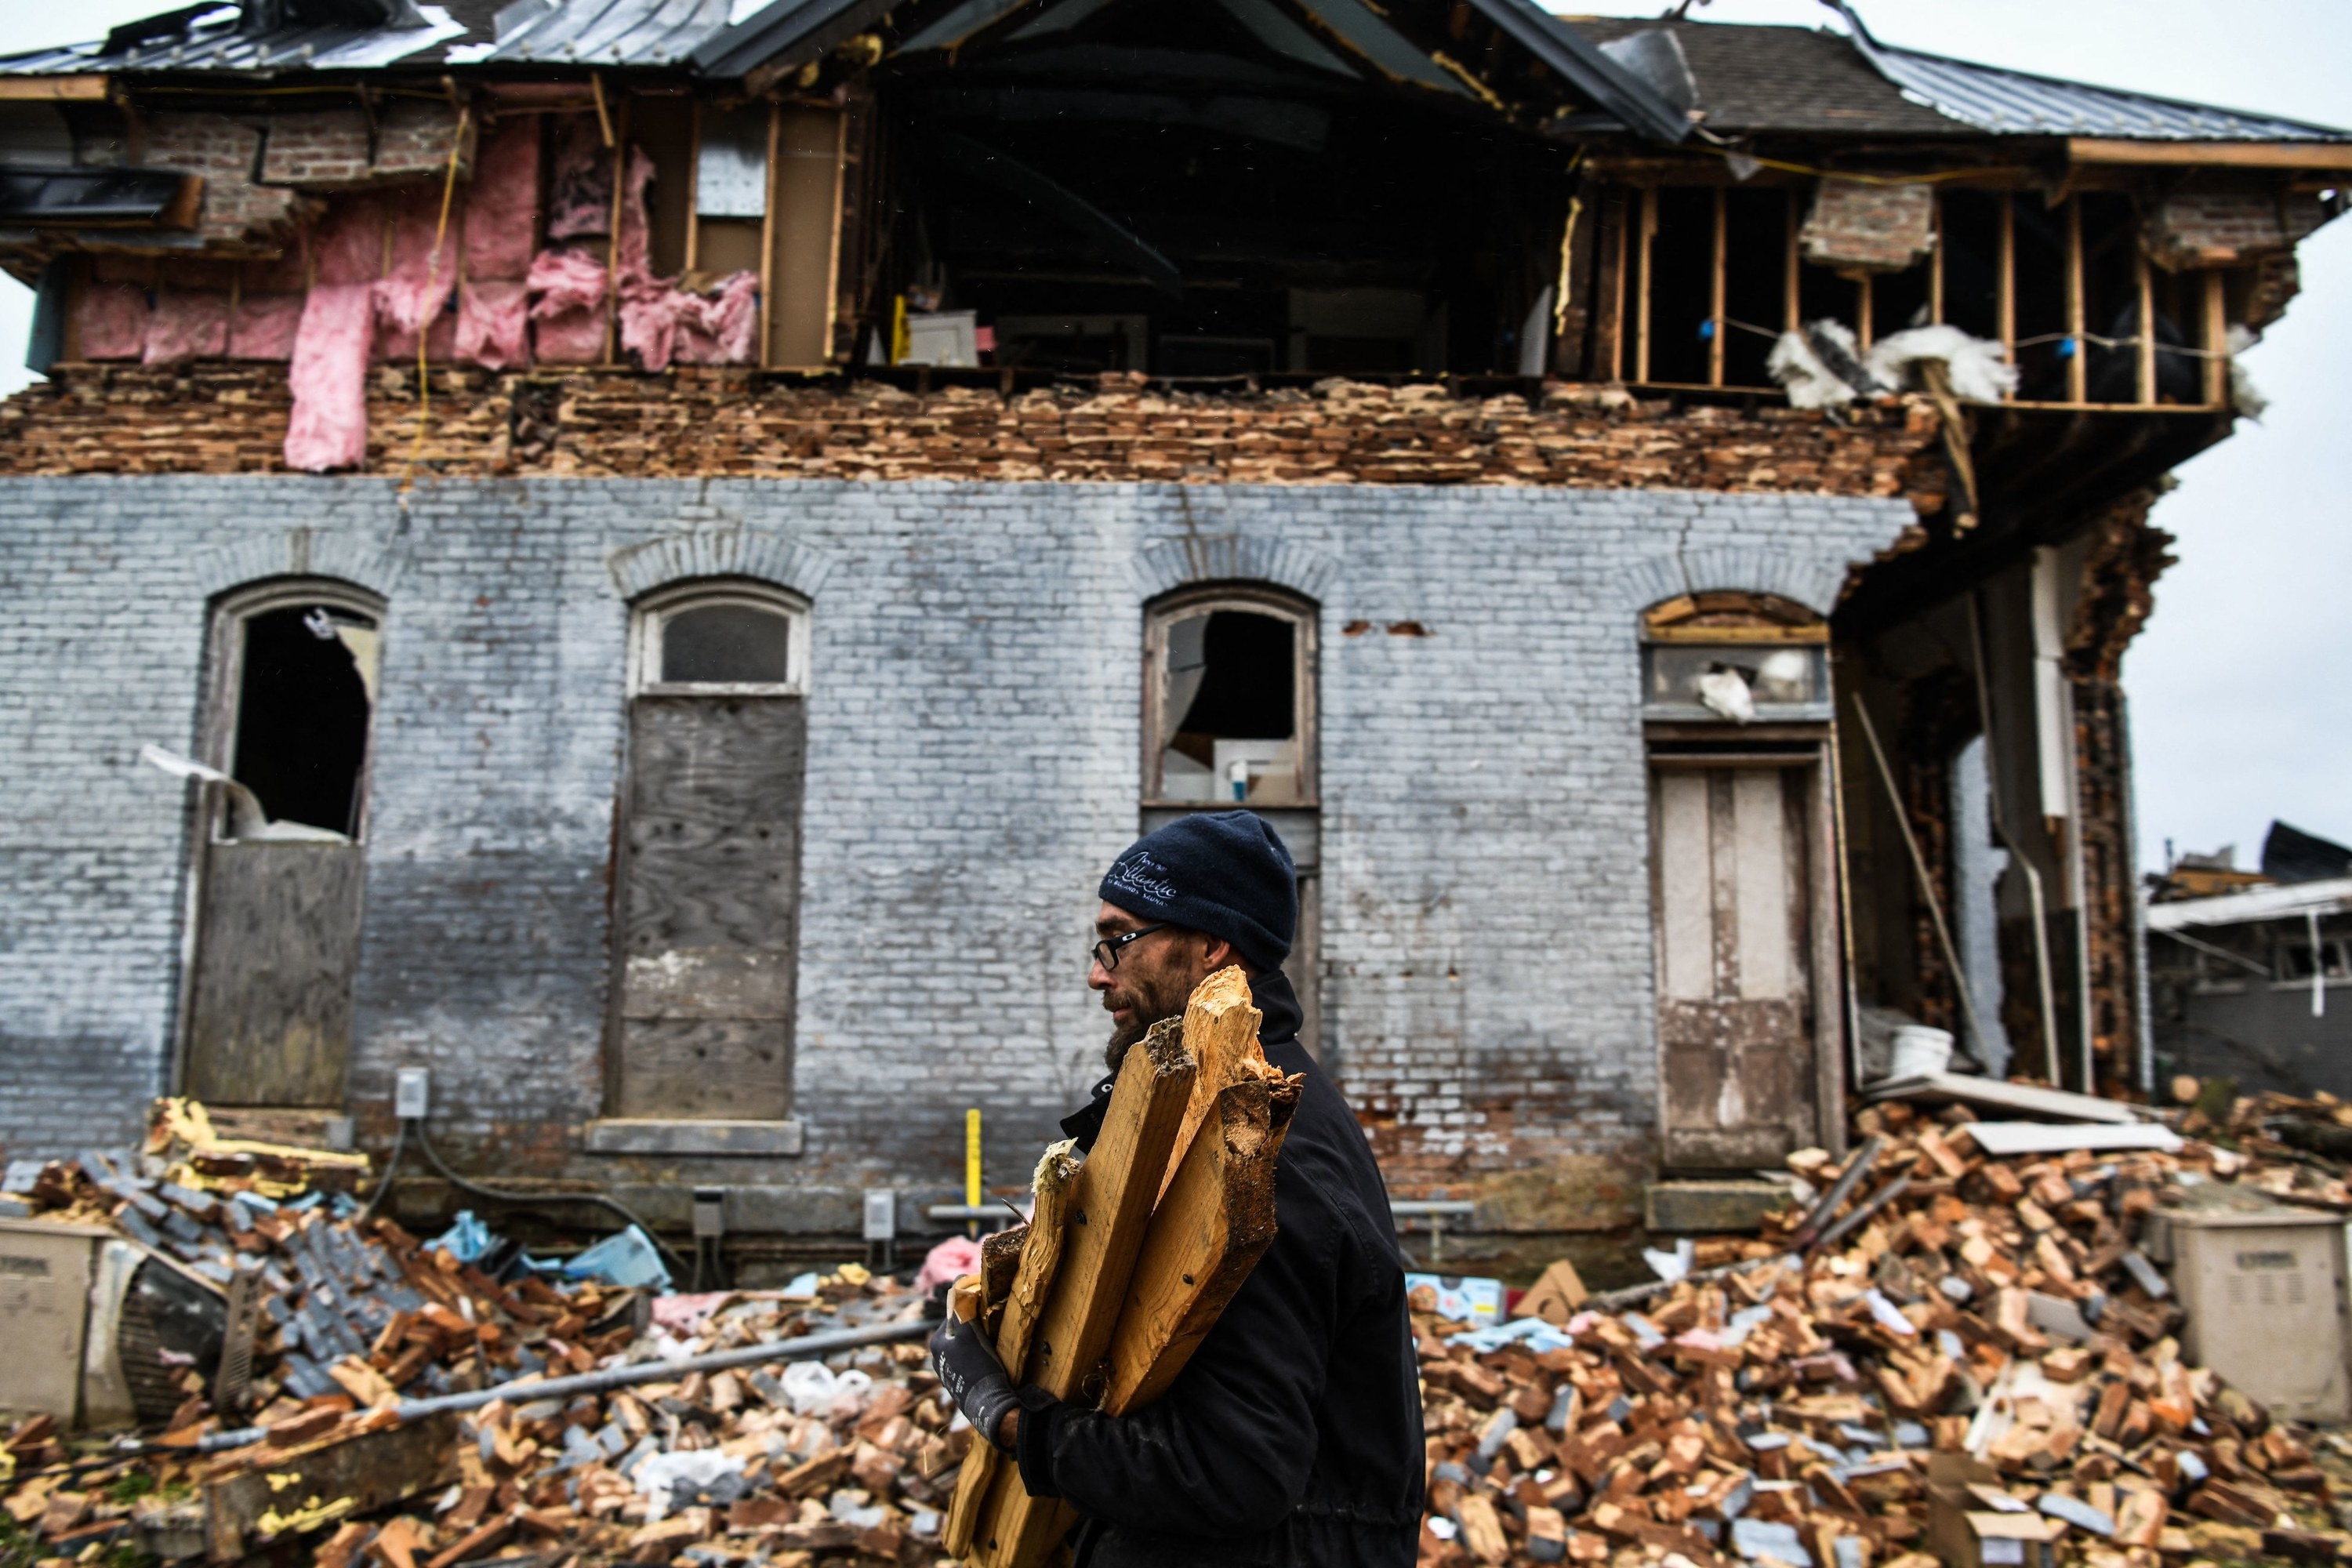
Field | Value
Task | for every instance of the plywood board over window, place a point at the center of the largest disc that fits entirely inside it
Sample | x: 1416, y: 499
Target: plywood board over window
x: 804, y: 236
x: 711, y: 858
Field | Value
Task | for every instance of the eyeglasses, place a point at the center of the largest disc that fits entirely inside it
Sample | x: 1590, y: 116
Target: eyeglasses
x: 1105, y: 952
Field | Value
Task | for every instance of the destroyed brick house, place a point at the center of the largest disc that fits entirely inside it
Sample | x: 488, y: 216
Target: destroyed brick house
x: 695, y: 532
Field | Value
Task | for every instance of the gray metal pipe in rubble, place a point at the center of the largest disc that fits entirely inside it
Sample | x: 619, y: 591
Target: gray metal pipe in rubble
x: 802, y: 1348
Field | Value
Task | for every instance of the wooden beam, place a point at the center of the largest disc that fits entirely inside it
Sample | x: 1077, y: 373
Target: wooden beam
x: 1109, y: 1215
x: 618, y: 141
x: 2216, y: 340
x: 1715, y: 293
x: 1041, y: 1257
x: 2212, y: 154
x: 2078, y: 367
x: 1864, y: 309
x: 1208, y: 1233
x: 1617, y: 288
x: 1642, y: 301
x: 53, y: 88
x: 768, y: 240
x: 2005, y: 279
x: 1792, y: 262
x: 1936, y: 261
x: 694, y: 186
x: 2146, y: 284
x: 1221, y: 1032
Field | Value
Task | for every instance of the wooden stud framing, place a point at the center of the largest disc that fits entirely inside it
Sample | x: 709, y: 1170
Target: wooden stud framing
x: 618, y: 133
x: 1936, y: 261
x: 1792, y: 278
x: 768, y: 235
x: 694, y: 186
x: 2078, y: 367
x: 1617, y: 290
x: 2216, y: 340
x: 1641, y: 299
x: 2144, y: 281
x: 1863, y: 309
x: 833, y: 249
x: 1715, y: 304
x: 2004, y: 304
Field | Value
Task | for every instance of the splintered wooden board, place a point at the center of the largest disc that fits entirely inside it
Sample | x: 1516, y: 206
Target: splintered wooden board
x: 1109, y: 1212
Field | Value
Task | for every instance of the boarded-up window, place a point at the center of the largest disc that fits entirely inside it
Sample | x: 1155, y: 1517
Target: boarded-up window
x: 710, y: 851
x: 278, y: 866
x: 1735, y: 990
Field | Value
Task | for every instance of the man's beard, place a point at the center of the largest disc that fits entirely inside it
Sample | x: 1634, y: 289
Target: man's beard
x: 1149, y: 998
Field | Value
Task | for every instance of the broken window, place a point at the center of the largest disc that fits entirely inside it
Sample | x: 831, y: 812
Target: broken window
x: 266, y: 1013
x: 1737, y: 656
x: 1230, y: 702
x: 305, y: 675
x: 2295, y: 959
x: 710, y: 860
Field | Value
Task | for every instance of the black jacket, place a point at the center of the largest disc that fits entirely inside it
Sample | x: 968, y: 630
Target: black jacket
x: 1292, y: 1435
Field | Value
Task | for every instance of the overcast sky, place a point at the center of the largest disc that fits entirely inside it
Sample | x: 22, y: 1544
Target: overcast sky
x: 2240, y: 711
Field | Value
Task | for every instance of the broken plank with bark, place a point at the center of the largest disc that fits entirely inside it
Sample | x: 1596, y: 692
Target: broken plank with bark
x: 1109, y: 1212
x: 1214, y: 1223
x: 1041, y: 1254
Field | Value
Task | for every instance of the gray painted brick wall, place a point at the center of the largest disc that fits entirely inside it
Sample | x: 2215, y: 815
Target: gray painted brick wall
x: 972, y: 765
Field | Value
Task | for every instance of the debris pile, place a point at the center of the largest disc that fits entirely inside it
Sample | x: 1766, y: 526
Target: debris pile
x: 1974, y: 1359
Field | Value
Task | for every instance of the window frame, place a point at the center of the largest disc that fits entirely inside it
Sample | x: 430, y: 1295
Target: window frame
x: 1744, y: 622
x: 1252, y: 598
x: 217, y: 737
x: 649, y: 614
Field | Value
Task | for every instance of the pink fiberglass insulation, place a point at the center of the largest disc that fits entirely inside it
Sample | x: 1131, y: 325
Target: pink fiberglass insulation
x: 329, y: 428
x: 663, y: 323
x: 186, y: 325
x: 112, y: 320
x: 636, y: 230
x: 491, y: 324
x: 570, y: 310
x: 263, y: 326
x: 397, y: 347
x: 349, y: 244
x: 580, y: 198
x: 416, y: 288
x: 502, y: 206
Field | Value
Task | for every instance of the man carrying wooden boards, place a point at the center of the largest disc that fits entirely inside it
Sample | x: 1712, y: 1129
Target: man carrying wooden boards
x: 1293, y: 1434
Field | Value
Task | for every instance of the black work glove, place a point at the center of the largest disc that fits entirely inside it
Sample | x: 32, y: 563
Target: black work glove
x: 968, y: 1369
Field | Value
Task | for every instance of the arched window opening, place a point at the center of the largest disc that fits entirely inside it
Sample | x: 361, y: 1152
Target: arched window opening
x: 1733, y: 656
x: 1230, y: 702
x: 304, y: 685
x: 718, y: 640
x: 277, y: 866
x: 707, y: 935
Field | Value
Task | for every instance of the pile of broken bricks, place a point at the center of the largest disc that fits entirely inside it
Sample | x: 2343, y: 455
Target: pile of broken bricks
x: 1944, y: 1356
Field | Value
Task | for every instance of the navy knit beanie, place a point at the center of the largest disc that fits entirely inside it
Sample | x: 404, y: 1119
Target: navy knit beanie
x: 1225, y: 873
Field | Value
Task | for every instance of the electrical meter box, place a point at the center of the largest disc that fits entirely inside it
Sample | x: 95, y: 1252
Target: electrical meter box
x: 2265, y: 1290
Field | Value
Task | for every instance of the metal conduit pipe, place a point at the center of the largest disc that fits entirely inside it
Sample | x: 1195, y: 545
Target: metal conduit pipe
x: 802, y: 1348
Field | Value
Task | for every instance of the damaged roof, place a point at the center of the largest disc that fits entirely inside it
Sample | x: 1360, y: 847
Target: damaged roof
x: 1752, y: 78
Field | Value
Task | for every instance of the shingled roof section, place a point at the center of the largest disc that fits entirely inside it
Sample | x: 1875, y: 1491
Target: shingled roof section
x: 1792, y: 80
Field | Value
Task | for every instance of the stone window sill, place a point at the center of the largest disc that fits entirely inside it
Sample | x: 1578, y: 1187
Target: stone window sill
x: 649, y: 1136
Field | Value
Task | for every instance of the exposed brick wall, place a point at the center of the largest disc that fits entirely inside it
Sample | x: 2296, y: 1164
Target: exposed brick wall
x: 2225, y: 228
x: 223, y: 150
x: 227, y: 419
x: 972, y: 765
x: 329, y: 150
x: 1882, y: 228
